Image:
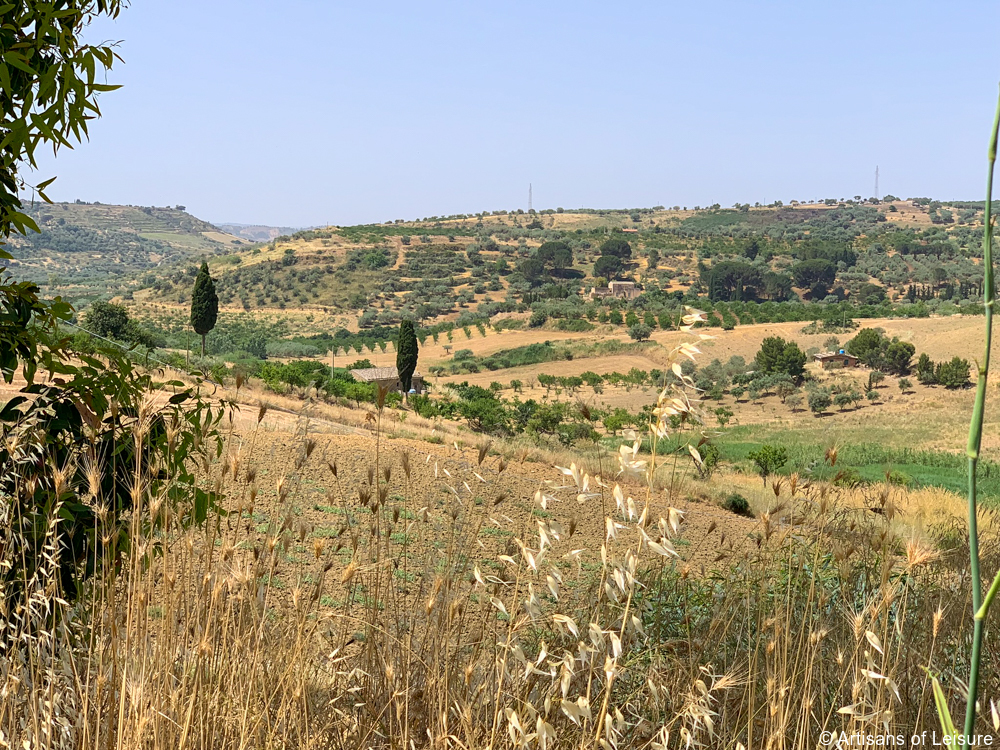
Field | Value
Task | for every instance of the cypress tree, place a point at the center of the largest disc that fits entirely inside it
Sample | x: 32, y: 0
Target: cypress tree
x: 204, y: 305
x: 406, y: 353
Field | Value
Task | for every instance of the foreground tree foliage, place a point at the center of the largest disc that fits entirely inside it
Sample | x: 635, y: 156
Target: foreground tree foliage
x: 92, y: 425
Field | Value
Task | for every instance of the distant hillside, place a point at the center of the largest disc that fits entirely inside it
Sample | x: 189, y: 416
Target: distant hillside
x: 468, y: 268
x: 257, y: 232
x: 83, y: 244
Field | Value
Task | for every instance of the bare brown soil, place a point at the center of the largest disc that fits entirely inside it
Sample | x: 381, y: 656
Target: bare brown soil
x: 322, y: 502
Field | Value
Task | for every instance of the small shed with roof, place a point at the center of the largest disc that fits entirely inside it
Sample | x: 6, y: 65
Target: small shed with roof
x: 387, y: 377
x: 834, y: 360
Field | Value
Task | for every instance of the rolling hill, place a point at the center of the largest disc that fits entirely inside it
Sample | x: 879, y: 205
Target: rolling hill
x: 459, y: 268
x: 82, y: 247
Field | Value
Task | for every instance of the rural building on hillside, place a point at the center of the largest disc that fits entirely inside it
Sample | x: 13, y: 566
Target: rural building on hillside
x: 631, y: 231
x: 833, y: 360
x: 617, y: 289
x: 387, y: 376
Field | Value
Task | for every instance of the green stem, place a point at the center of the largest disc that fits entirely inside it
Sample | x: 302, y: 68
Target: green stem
x: 990, y: 595
x: 976, y: 432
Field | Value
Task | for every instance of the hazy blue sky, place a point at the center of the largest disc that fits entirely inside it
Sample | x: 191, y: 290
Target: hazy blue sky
x: 304, y: 112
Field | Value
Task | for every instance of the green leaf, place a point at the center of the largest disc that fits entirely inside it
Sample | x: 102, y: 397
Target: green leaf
x: 947, y: 725
x: 10, y: 410
x: 23, y: 221
x: 17, y: 61
x: 202, y: 501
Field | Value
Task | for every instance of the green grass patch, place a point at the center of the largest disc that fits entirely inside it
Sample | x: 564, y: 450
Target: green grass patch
x: 325, y: 532
x: 869, y: 461
x: 494, y: 531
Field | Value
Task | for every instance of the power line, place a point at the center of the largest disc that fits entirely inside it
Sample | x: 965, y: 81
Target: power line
x: 127, y: 350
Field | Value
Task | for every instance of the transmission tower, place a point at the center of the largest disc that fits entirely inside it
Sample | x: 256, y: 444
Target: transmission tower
x: 529, y: 197
x: 876, y: 182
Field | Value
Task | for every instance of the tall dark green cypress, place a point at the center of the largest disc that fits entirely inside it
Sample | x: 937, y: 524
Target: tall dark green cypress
x: 406, y: 353
x: 204, y: 305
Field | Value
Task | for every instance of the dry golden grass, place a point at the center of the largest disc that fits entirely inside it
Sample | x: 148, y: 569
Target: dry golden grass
x: 419, y: 624
x: 942, y: 338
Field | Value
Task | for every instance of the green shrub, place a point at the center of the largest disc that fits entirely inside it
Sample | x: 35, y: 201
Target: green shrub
x: 779, y: 356
x: 848, y: 478
x: 953, y: 374
x: 899, y: 478
x: 578, y: 325
x: 639, y: 332
x: 768, y: 459
x: 738, y: 504
x: 819, y: 401
x: 709, y: 453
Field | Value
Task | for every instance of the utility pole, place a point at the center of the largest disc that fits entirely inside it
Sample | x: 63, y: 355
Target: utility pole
x: 333, y: 353
x: 529, y: 197
x: 876, y: 182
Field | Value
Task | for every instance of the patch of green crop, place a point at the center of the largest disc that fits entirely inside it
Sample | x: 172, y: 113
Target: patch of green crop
x: 494, y: 531
x: 869, y: 461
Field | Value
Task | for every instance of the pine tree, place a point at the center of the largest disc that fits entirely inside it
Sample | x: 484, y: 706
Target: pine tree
x: 406, y: 354
x: 204, y: 305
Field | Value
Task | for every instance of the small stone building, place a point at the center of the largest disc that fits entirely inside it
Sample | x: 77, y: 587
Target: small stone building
x: 387, y: 376
x: 834, y: 360
x: 616, y: 289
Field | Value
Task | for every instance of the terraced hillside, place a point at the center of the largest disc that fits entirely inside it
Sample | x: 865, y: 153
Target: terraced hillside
x: 468, y: 268
x: 85, y: 246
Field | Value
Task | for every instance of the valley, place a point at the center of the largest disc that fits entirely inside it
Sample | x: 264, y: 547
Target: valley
x: 581, y: 371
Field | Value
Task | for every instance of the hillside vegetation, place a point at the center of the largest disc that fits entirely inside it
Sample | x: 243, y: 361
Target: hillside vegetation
x: 91, y: 247
x: 476, y: 267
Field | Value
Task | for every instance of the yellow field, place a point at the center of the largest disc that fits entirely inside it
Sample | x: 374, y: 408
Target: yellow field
x: 926, y: 417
